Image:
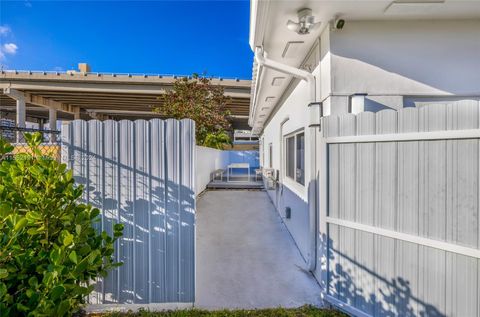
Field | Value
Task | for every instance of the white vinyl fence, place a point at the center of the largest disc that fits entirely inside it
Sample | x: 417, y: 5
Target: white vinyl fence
x: 140, y: 173
x: 208, y: 160
x: 401, y: 211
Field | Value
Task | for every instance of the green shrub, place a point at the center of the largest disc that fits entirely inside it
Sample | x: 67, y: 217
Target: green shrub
x: 217, y: 140
x: 49, y: 249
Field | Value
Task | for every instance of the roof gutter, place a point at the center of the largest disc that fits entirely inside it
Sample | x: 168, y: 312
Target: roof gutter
x: 255, y: 86
x: 311, y: 181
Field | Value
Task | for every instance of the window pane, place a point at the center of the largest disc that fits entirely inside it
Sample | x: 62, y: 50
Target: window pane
x: 300, y: 153
x: 290, y: 157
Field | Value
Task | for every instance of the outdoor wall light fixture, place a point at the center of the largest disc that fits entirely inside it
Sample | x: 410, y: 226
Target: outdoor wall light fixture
x: 315, y: 114
x: 305, y: 24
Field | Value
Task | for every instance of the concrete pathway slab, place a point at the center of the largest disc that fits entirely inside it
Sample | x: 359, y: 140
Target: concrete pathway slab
x: 245, y: 256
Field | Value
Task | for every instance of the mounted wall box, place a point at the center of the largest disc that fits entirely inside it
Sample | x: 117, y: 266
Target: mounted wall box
x: 288, y: 212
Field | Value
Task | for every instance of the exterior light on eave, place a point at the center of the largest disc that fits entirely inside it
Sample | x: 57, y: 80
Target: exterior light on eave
x: 315, y: 113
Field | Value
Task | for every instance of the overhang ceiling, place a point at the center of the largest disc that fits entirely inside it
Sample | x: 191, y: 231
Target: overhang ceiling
x: 268, y: 30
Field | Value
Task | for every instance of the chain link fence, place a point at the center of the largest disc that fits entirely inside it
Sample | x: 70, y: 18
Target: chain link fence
x: 50, y: 146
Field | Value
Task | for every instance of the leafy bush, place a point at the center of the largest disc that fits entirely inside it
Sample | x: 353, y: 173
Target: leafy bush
x: 49, y: 249
x: 217, y: 140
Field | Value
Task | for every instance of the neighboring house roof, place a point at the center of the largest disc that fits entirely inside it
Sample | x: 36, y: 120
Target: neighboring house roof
x: 107, y: 95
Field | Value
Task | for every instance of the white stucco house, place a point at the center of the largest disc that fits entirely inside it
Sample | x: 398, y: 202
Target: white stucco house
x: 350, y: 57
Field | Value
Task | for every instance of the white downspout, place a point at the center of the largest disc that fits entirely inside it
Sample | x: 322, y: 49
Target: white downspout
x: 286, y: 69
x: 311, y: 179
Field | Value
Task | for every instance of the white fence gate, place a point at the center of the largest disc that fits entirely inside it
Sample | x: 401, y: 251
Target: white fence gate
x: 140, y: 173
x: 400, y: 212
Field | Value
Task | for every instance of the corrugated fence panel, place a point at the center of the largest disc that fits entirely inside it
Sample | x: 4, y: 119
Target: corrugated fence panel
x: 140, y: 173
x: 111, y: 193
x: 172, y: 144
x: 187, y: 212
x: 427, y: 188
x: 94, y: 185
x: 141, y: 210
x: 126, y: 210
x: 158, y: 227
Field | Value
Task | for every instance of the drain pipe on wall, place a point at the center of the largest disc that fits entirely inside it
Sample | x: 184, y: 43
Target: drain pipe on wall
x: 263, y: 61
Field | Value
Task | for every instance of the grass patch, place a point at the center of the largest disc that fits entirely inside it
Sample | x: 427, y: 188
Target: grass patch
x: 305, y: 311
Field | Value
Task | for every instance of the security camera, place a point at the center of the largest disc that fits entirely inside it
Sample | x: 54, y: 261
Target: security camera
x: 338, y: 24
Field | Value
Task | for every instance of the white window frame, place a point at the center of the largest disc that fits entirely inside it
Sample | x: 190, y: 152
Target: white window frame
x: 289, y: 180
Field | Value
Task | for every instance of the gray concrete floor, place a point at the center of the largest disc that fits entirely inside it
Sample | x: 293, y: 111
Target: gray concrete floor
x: 245, y: 255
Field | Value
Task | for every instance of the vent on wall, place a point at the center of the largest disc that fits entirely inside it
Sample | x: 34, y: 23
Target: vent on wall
x: 292, y: 49
x: 413, y: 7
x: 277, y: 81
x: 269, y: 99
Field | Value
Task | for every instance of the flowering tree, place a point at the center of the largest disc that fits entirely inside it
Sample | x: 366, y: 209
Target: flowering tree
x: 198, y: 99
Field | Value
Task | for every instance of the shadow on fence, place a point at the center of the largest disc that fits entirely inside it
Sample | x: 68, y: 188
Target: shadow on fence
x: 148, y: 224
x: 396, y: 298
x: 158, y: 218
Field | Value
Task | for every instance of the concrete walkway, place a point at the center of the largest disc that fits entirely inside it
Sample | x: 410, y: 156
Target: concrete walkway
x: 245, y: 255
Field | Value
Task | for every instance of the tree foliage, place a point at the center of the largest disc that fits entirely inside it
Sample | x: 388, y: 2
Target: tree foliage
x: 217, y: 140
x: 49, y: 249
x: 198, y: 99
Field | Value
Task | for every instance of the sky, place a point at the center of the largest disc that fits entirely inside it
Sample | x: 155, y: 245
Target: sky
x: 157, y: 37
